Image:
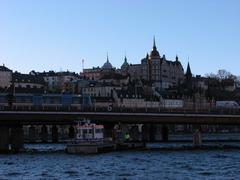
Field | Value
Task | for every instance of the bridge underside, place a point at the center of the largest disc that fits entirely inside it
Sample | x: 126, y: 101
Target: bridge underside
x: 31, y: 118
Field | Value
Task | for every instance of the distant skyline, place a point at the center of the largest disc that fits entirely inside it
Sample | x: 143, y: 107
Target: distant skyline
x: 58, y: 34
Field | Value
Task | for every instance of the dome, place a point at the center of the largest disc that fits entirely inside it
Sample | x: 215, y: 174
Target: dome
x: 107, y: 65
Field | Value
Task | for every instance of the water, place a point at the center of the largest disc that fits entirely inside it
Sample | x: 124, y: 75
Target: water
x: 50, y: 162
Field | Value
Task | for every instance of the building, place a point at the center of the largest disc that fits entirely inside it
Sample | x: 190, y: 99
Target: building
x: 51, y: 79
x: 91, y: 74
x: 95, y: 73
x: 97, y: 89
x: 5, y: 77
x: 156, y: 69
x: 64, y: 79
x: 107, y: 66
x: 28, y: 83
x: 161, y: 72
x: 57, y: 81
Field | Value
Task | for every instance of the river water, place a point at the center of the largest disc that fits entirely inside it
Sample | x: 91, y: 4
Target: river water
x: 51, y: 162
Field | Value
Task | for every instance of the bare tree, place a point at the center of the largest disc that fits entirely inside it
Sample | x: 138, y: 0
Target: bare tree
x: 223, y: 74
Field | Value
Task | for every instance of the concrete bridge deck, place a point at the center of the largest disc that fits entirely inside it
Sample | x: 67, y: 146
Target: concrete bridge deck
x: 42, y: 117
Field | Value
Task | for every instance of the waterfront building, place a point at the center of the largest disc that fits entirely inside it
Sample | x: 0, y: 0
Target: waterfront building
x: 5, y: 77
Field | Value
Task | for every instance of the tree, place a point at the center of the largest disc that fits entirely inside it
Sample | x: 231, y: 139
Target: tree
x: 223, y: 74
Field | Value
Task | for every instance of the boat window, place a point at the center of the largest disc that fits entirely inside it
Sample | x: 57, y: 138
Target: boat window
x: 98, y: 130
x: 85, y: 131
x: 90, y: 131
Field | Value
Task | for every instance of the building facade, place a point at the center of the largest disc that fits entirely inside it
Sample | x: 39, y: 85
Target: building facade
x: 5, y: 77
x: 161, y: 72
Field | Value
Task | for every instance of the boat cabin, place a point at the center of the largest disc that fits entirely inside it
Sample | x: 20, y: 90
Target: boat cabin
x: 89, y: 132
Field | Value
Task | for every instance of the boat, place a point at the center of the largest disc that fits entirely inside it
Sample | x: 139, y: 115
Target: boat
x: 89, y: 139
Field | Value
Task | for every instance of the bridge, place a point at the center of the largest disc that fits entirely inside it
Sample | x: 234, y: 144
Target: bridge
x: 41, y: 117
x: 12, y: 122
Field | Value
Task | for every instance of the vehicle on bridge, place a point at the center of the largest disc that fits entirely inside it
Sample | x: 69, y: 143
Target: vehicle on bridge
x: 227, y: 105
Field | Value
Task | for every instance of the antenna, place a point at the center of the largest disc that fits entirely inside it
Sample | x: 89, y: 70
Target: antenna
x: 82, y: 64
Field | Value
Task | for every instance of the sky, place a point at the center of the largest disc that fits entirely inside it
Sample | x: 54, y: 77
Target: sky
x: 56, y: 35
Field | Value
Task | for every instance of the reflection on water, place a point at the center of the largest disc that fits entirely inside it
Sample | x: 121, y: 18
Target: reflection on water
x: 50, y: 162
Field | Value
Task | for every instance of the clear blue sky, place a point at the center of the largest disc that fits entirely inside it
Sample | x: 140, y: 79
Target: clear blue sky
x: 57, y: 34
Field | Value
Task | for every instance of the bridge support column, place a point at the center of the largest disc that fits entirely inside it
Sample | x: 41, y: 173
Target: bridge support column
x: 4, y: 139
x: 32, y: 134
x: 153, y: 132
x: 44, y: 133
x: 134, y: 133
x: 71, y: 132
x: 17, y: 138
x: 108, y: 130
x: 145, y: 132
x: 197, y: 139
x: 54, y: 134
x: 165, y: 132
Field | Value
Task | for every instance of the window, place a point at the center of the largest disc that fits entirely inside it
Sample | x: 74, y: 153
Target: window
x: 85, y: 131
x: 90, y: 131
x: 98, y: 130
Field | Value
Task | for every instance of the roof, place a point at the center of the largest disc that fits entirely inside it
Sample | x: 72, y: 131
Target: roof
x: 113, y: 76
x: 107, y: 65
x: 130, y: 92
x: 125, y: 63
x: 3, y: 68
x: 188, y: 72
x: 27, y: 78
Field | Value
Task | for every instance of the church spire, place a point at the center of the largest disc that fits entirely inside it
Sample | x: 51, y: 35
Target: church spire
x: 125, y: 58
x: 188, y: 72
x: 107, y: 57
x: 176, y: 57
x: 154, y: 43
x: 154, y: 52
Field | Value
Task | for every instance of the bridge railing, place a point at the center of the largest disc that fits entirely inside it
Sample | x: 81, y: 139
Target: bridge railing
x: 116, y: 109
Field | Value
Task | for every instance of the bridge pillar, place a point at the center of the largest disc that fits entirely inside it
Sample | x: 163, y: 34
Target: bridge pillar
x: 134, y: 133
x: 152, y: 132
x: 71, y: 132
x: 197, y: 138
x: 17, y: 138
x: 165, y: 132
x: 54, y: 134
x: 44, y: 133
x: 32, y: 134
x: 145, y: 132
x: 4, y: 139
x: 108, y: 130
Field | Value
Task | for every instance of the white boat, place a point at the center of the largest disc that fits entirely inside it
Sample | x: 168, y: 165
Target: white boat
x: 89, y: 139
